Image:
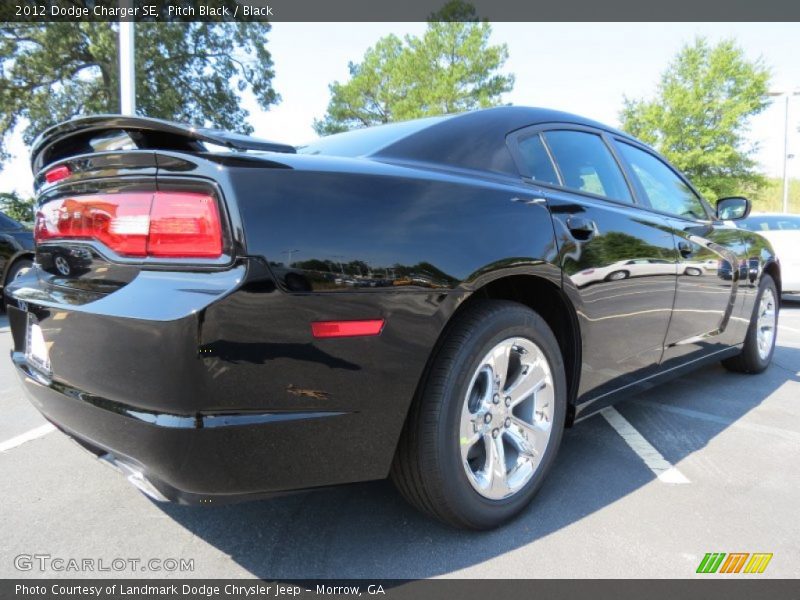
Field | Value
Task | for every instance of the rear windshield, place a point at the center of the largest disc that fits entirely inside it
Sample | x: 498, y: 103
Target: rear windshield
x: 770, y: 223
x: 363, y: 142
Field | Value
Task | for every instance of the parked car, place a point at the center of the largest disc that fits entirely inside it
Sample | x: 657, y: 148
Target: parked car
x: 638, y: 267
x: 182, y: 356
x: 16, y: 251
x: 783, y: 232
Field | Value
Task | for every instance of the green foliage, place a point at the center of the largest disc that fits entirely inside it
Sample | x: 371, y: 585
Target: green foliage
x: 450, y: 68
x: 769, y: 197
x: 16, y: 207
x: 189, y: 72
x: 700, y: 116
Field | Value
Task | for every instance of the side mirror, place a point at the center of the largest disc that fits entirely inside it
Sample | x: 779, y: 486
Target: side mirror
x: 733, y: 208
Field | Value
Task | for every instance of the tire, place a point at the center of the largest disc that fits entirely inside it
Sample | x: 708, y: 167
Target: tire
x: 755, y: 358
x: 62, y: 264
x: 17, y: 267
x: 13, y: 273
x: 445, y: 475
x: 617, y: 276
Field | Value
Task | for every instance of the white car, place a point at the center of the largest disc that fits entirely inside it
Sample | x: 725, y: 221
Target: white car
x: 783, y: 232
x: 638, y: 267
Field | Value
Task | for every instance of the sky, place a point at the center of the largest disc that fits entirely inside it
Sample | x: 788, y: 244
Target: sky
x: 583, y: 68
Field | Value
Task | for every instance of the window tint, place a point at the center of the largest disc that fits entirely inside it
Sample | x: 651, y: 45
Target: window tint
x: 586, y: 164
x: 664, y: 189
x: 537, y: 162
x: 769, y: 223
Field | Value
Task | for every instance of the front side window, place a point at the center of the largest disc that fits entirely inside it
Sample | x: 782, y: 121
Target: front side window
x: 665, y: 191
x: 587, y: 164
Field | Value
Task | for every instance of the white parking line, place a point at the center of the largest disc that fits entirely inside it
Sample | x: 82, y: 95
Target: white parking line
x: 651, y: 457
x: 788, y: 434
x: 33, y: 434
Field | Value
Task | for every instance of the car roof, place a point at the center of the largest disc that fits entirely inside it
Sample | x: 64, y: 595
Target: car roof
x: 773, y: 214
x: 471, y: 140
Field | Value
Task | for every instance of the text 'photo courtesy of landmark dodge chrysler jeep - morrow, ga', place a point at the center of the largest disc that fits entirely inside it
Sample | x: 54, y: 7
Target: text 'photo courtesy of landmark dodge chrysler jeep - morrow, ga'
x: 227, y: 318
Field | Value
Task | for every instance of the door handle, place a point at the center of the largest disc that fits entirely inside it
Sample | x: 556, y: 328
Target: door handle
x: 685, y: 248
x: 581, y: 228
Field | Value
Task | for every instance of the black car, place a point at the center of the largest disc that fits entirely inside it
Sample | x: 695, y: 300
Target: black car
x: 16, y: 250
x: 222, y: 340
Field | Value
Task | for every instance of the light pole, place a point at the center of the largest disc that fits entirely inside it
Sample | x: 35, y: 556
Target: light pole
x: 127, y: 68
x: 289, y: 258
x: 786, y: 96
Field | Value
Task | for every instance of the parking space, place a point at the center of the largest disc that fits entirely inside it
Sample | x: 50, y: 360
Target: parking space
x: 603, y: 512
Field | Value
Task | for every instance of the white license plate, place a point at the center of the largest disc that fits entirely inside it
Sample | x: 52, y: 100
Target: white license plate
x: 36, y: 352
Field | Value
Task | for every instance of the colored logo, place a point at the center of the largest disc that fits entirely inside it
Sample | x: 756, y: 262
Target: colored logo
x: 735, y: 562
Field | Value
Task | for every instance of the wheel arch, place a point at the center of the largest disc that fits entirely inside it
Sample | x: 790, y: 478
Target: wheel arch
x: 551, y: 303
x: 23, y: 254
x: 773, y: 270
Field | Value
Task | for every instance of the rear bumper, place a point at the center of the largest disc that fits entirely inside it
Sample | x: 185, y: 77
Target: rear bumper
x: 210, y: 387
x: 188, y: 459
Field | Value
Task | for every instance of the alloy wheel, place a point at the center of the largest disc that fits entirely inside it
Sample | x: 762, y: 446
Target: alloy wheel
x: 507, y: 418
x: 767, y: 321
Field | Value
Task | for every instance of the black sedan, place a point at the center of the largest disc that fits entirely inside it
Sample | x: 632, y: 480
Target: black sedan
x: 16, y: 250
x: 432, y: 301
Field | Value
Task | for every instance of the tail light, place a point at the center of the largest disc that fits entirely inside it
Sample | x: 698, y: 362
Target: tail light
x: 137, y: 224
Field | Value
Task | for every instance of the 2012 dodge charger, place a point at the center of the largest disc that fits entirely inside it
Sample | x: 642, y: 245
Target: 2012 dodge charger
x: 228, y: 318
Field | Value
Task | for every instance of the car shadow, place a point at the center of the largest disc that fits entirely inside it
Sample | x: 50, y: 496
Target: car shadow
x: 368, y: 531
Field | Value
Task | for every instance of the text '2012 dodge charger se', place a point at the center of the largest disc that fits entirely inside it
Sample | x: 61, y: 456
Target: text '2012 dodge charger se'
x: 432, y: 300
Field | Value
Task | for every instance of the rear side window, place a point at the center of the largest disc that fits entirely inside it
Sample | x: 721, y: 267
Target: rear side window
x: 536, y: 160
x: 7, y: 223
x: 665, y: 191
x: 587, y: 164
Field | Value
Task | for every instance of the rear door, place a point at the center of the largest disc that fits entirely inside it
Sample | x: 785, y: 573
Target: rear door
x: 619, y: 262
x: 704, y: 319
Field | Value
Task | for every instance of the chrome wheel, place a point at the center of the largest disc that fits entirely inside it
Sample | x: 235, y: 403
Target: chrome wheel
x: 507, y: 418
x: 767, y: 321
x: 62, y: 265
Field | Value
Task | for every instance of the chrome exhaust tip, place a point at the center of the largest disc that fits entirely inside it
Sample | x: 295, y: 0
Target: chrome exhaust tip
x: 135, y: 476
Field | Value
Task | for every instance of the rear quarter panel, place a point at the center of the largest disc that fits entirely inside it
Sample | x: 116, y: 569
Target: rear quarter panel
x: 380, y: 241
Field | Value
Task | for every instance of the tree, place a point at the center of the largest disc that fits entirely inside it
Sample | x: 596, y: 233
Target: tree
x: 700, y: 115
x: 16, y: 207
x: 189, y: 72
x: 450, y: 68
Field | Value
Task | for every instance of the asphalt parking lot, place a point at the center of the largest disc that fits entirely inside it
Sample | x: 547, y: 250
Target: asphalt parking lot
x: 734, y: 439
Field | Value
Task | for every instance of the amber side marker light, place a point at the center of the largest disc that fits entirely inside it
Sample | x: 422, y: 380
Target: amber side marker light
x: 335, y: 329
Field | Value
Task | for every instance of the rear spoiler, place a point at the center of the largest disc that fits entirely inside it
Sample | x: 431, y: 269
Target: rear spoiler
x: 75, y: 137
